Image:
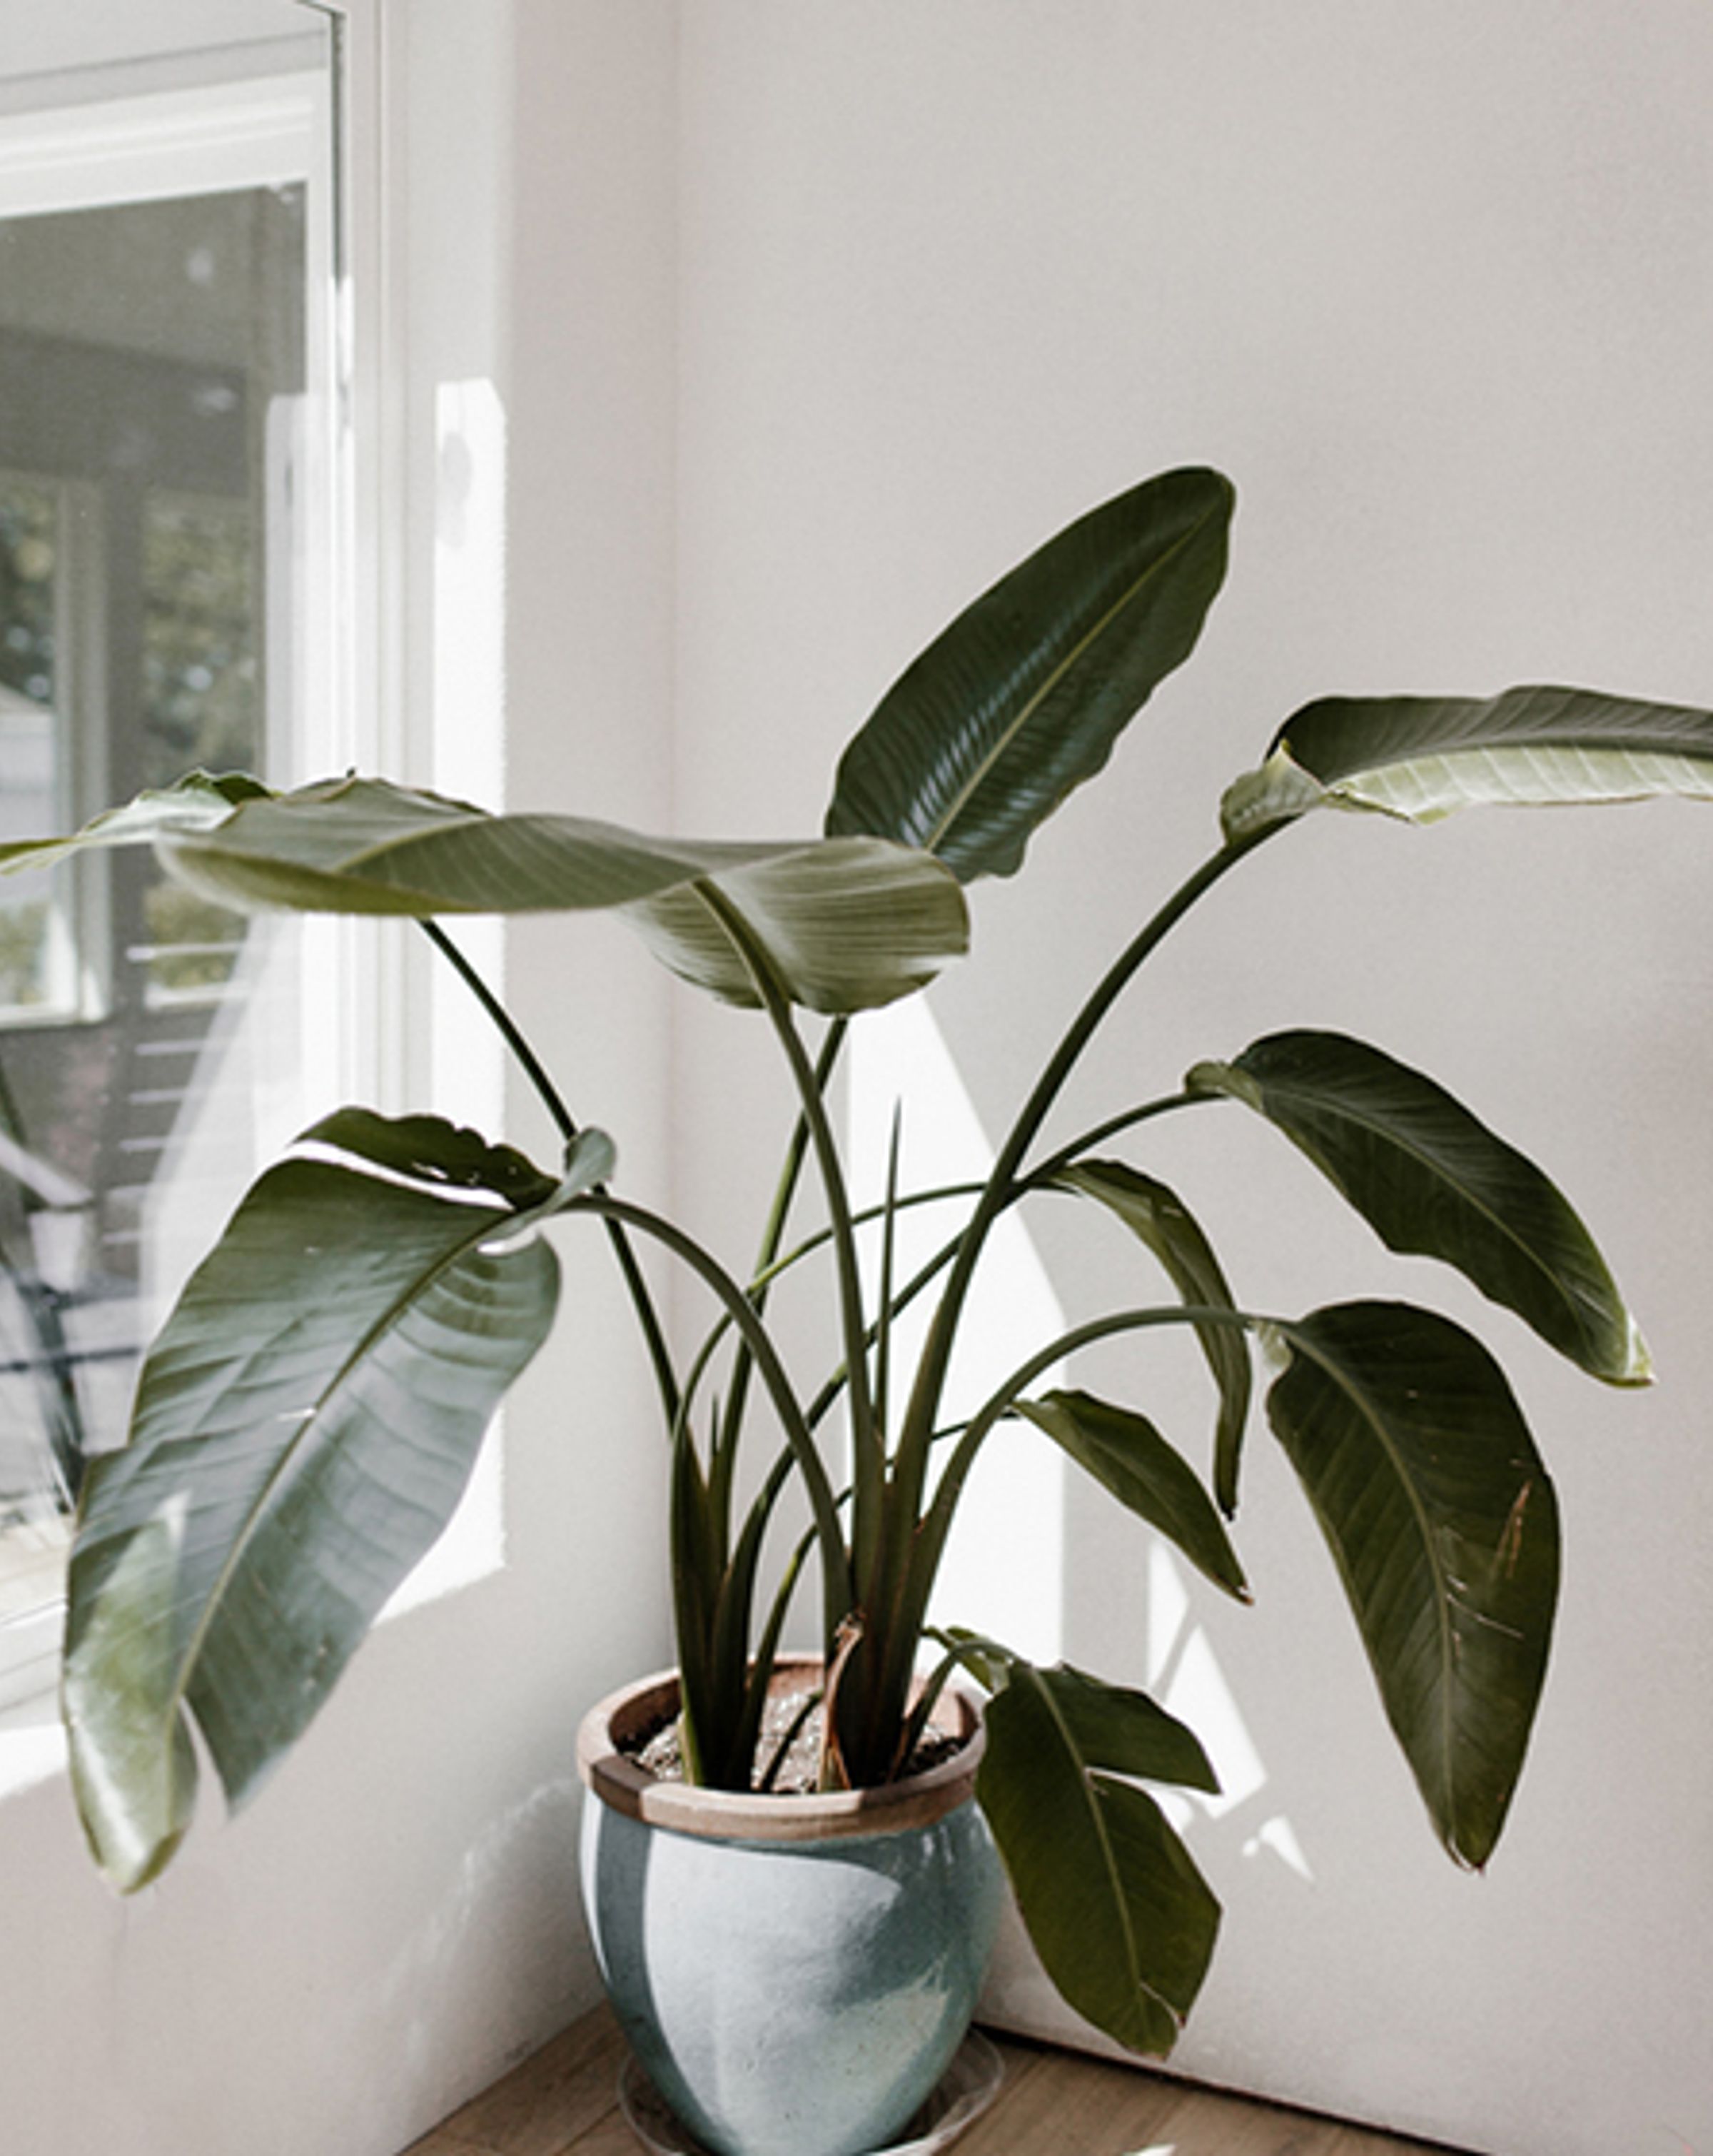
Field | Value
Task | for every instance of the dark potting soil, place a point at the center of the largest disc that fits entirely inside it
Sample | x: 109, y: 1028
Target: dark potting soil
x: 797, y: 1774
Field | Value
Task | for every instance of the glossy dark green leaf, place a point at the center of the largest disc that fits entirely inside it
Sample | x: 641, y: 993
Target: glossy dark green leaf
x: 1128, y: 1456
x: 697, y: 1563
x: 432, y: 1149
x: 306, y: 1424
x: 1159, y: 1217
x: 848, y: 924
x: 1124, y: 1732
x: 1123, y: 1921
x: 1421, y: 758
x: 1022, y: 697
x: 1433, y: 1180
x: 1444, y: 1526
x: 197, y: 803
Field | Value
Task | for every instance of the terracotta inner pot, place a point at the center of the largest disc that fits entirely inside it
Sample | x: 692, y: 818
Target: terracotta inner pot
x: 625, y: 1721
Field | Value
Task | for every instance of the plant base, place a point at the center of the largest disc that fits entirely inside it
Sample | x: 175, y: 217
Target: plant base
x: 794, y: 1974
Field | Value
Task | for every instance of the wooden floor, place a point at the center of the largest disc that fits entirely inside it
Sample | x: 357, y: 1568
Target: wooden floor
x: 564, y: 2102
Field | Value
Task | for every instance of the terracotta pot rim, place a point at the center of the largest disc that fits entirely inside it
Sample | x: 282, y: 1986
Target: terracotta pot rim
x: 729, y: 1815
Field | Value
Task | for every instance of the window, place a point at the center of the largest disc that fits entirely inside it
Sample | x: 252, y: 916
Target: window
x: 168, y: 560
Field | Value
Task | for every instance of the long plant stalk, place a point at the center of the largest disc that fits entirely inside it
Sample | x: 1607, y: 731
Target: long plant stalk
x: 731, y: 1422
x: 867, y: 1464
x: 836, y: 1579
x: 798, y: 1255
x: 901, y: 1596
x: 653, y: 1334
x: 1068, y: 1154
x: 881, y: 1329
x: 929, y: 1543
x: 1039, y: 1179
x: 996, y: 1194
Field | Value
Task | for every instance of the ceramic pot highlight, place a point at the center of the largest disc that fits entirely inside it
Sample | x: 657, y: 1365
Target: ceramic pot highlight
x: 794, y: 1974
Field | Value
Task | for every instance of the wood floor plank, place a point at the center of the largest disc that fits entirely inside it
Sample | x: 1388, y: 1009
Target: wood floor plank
x: 1364, y: 2141
x: 1062, y: 2103
x: 612, y: 2136
x: 1205, y: 2123
x: 563, y: 2101
x: 566, y: 2091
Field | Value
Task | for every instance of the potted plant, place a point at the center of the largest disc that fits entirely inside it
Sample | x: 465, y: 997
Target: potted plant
x: 308, y: 1415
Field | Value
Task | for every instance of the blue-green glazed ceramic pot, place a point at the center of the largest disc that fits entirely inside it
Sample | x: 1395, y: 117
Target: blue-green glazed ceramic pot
x: 793, y: 1973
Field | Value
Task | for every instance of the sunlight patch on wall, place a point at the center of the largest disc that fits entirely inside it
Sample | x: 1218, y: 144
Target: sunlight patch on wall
x: 1183, y: 1674
x: 1004, y: 1566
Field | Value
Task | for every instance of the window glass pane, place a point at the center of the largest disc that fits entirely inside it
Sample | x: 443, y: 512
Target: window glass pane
x: 156, y: 571
x: 32, y: 789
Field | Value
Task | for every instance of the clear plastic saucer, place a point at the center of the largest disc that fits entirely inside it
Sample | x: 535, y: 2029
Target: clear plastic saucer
x: 966, y: 2089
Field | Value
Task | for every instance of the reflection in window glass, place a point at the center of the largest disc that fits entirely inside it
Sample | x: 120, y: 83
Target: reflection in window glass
x: 30, y: 788
x: 152, y: 357
x: 201, y: 706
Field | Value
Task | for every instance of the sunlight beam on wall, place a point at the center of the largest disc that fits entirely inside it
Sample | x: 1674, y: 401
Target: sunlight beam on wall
x: 1004, y: 1567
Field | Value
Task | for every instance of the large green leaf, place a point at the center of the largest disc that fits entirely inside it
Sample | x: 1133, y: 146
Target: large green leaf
x: 1421, y: 757
x: 1022, y: 697
x: 1127, y: 1455
x: 1433, y: 1180
x: 1161, y: 1221
x: 306, y: 1424
x: 197, y: 803
x: 1445, y: 1528
x: 429, y: 1149
x: 1123, y: 1731
x: 848, y: 924
x: 1124, y: 1922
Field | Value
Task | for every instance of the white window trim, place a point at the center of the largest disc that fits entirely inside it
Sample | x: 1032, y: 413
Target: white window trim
x: 161, y: 145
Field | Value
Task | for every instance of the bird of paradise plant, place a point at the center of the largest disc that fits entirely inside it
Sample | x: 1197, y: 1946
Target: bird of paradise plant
x: 308, y: 1416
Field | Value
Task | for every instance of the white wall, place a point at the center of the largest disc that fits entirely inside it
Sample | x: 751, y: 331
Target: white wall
x: 395, y: 1920
x: 1435, y: 285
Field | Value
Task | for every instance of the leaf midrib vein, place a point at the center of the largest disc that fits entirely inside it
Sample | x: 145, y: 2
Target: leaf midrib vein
x: 291, y: 1453
x: 961, y: 800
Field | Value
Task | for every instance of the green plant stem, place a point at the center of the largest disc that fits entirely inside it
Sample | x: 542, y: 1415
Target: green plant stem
x: 919, y: 1282
x: 772, y: 1235
x: 829, y: 1394
x: 881, y: 1329
x: 798, y: 1723
x: 835, y: 1566
x: 902, y: 1597
x: 1068, y: 1155
x: 867, y: 1464
x: 941, y: 1194
x: 996, y: 1192
x: 936, y: 1522
x: 653, y: 1334
x: 1038, y: 1178
x: 767, y: 1646
x: 933, y: 1685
